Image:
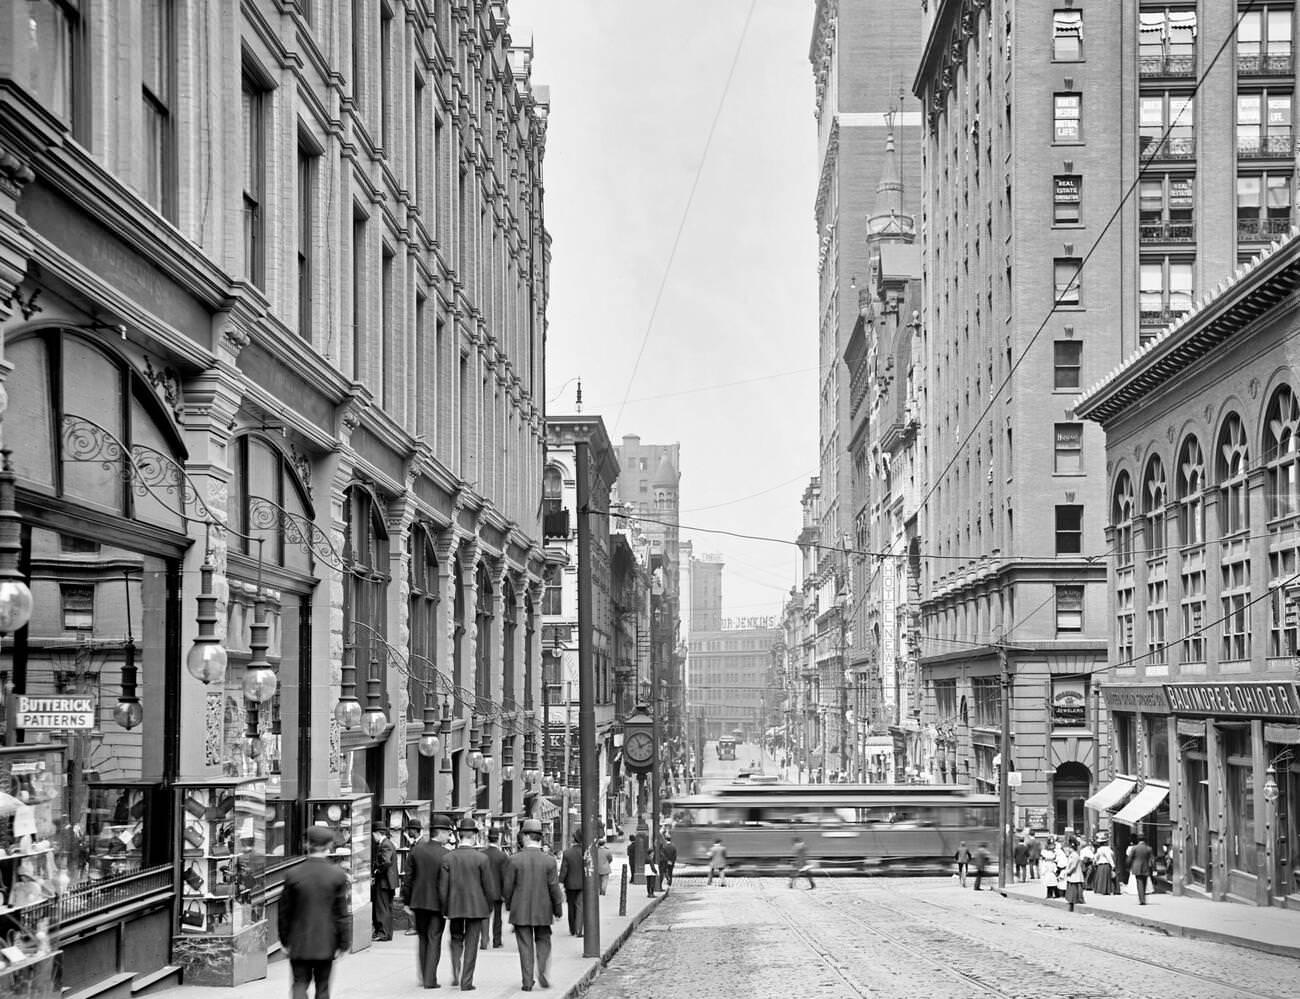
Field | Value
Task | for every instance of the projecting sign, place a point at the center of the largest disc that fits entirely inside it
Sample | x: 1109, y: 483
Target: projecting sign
x: 55, y: 713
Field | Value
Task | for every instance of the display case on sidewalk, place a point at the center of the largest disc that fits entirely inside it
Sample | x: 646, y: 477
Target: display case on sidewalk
x: 406, y: 823
x: 37, y: 843
x: 221, y: 867
x: 349, y: 815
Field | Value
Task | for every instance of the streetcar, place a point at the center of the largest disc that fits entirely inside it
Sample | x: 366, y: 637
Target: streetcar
x: 726, y: 748
x: 867, y: 828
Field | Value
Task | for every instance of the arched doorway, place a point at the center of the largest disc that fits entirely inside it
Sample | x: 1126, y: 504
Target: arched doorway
x: 1070, y: 788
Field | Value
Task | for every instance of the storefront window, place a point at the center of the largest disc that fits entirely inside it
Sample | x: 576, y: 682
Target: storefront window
x: 1240, y: 799
x: 1157, y: 740
x: 1125, y: 742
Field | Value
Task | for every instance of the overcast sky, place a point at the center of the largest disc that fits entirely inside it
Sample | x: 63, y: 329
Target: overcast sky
x: 635, y: 88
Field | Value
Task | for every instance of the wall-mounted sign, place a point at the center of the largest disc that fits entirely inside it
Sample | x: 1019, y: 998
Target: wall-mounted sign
x: 1069, y: 702
x: 56, y: 713
x: 1148, y: 697
x: 1067, y: 190
x: 1259, y: 699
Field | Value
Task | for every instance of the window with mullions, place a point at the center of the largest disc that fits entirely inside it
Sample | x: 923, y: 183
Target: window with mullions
x: 57, y: 59
x: 1069, y: 529
x: 1282, y: 625
x: 1069, y: 609
x: 265, y: 479
x: 1125, y: 731
x: 1162, y: 113
x: 1231, y: 466
x: 1067, y: 364
x: 254, y: 97
x: 308, y: 156
x: 1167, y: 42
x: 986, y: 693
x: 1067, y: 280
x: 365, y: 585
x: 423, y: 605
x: 1067, y: 457
x: 1067, y: 199
x: 509, y: 633
x: 1264, y: 125
x: 1067, y: 117
x: 1165, y: 209
x: 484, y: 621
x: 1239, y: 788
x: 157, y: 75
x: 1234, y: 608
x: 1155, y: 497
x: 1164, y: 293
x: 1264, y: 41
x: 1263, y: 206
x: 1157, y: 615
x: 1067, y: 35
x: 1191, y: 493
x: 1282, y: 453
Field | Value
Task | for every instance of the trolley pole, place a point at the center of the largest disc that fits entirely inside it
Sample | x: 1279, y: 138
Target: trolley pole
x: 1004, y: 782
x: 587, y: 703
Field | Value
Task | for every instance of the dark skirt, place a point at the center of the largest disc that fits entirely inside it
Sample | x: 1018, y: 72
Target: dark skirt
x: 1103, y: 879
x: 1074, y: 892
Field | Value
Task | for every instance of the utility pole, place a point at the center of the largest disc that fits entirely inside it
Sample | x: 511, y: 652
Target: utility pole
x: 564, y: 788
x: 1004, y: 782
x: 656, y: 703
x: 587, y: 704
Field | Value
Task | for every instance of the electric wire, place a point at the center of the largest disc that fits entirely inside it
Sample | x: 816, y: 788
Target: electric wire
x: 686, y: 210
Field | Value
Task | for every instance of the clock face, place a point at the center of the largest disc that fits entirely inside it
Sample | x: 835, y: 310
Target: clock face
x: 639, y: 747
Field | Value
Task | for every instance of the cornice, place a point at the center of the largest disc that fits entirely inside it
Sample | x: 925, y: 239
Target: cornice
x: 954, y: 25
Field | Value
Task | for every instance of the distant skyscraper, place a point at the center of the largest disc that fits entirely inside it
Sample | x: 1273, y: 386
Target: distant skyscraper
x: 706, y: 593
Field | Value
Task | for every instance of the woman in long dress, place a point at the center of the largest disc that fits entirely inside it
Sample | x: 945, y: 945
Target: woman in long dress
x: 1047, y: 867
x: 1103, y: 880
x: 1073, y: 873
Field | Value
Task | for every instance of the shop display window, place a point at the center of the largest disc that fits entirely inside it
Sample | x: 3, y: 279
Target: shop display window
x: 222, y: 855
x: 34, y: 833
x: 349, y: 816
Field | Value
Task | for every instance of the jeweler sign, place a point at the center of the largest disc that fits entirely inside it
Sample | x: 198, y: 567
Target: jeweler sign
x: 56, y: 713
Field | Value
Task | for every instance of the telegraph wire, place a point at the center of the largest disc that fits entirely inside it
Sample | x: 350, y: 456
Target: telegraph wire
x: 686, y: 211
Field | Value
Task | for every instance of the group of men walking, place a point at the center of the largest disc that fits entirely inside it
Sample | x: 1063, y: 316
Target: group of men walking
x: 452, y: 891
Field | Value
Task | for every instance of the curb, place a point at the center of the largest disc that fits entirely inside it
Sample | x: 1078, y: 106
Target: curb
x: 580, y: 987
x: 1171, y: 929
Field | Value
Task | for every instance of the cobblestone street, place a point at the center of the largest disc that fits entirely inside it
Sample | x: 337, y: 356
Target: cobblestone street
x: 920, y: 938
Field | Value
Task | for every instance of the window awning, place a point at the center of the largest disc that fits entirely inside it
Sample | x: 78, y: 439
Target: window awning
x: 1143, y: 804
x: 1112, y: 794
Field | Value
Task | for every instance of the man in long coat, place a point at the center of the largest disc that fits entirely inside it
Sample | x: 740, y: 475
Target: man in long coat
x: 497, y: 861
x: 468, y: 889
x: 532, y: 893
x: 422, y: 897
x: 313, y: 921
x: 383, y: 883
x: 571, y: 871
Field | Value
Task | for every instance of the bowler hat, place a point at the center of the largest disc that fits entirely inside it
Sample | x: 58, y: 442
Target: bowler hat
x: 532, y: 826
x: 320, y: 836
x: 467, y: 825
x: 441, y: 822
x: 379, y: 827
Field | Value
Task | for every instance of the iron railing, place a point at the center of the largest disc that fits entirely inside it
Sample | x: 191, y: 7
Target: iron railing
x: 1261, y: 147
x: 1172, y: 148
x: 1167, y: 232
x: 93, y: 897
x: 1260, y: 64
x: 1183, y: 64
x: 1261, y: 230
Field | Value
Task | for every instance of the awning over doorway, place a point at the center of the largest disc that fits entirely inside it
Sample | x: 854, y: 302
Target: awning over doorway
x: 1143, y: 804
x: 1112, y: 794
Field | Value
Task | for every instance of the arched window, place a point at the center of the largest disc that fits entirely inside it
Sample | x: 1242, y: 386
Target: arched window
x: 510, y: 632
x: 423, y: 576
x: 1280, y: 454
x: 458, y: 636
x: 1232, y: 461
x: 483, y: 619
x: 530, y: 636
x: 1155, y: 496
x: 365, y: 587
x: 1121, y: 519
x: 262, y: 476
x: 1191, y: 493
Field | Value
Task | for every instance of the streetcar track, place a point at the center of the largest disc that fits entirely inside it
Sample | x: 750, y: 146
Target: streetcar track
x: 909, y: 949
x: 1123, y: 955
x: 1208, y: 980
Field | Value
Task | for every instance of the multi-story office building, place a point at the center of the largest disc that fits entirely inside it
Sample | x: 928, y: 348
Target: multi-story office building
x: 1080, y: 192
x: 272, y: 300
x: 729, y: 680
x: 1204, y: 499
x: 863, y: 57
x: 706, y: 593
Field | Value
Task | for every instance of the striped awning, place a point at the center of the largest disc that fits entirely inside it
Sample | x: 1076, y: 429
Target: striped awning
x: 1112, y: 794
x: 1143, y: 804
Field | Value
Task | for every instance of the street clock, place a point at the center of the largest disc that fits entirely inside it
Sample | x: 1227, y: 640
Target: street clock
x: 639, y: 741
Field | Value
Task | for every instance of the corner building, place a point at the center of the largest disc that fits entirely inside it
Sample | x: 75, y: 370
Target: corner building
x: 1201, y: 686
x: 273, y: 282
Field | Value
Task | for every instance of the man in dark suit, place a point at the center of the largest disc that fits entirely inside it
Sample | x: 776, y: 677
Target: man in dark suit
x: 571, y: 879
x: 1139, y: 865
x: 468, y: 889
x: 383, y: 883
x: 497, y: 861
x: 531, y: 890
x: 421, y: 893
x: 314, y: 922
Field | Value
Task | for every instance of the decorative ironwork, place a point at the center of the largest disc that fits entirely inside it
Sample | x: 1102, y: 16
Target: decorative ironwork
x: 265, y: 515
x: 148, y: 470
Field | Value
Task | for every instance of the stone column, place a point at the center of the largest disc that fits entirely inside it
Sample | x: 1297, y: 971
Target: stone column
x: 445, y: 639
x: 468, y: 655
x: 1257, y: 504
x: 400, y: 517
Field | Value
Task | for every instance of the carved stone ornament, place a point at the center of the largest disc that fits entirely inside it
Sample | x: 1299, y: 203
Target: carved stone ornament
x: 14, y: 174
x: 1254, y: 388
x: 235, y: 339
x: 168, y: 384
x: 302, y: 465
x: 1169, y: 433
x: 1208, y: 413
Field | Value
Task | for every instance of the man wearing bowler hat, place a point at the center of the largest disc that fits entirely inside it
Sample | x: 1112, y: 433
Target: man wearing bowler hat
x: 467, y: 888
x: 420, y: 890
x: 532, y: 893
x: 383, y: 882
x: 313, y: 919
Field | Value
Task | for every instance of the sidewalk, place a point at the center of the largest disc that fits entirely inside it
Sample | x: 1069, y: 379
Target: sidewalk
x: 387, y: 970
x: 1273, y: 930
